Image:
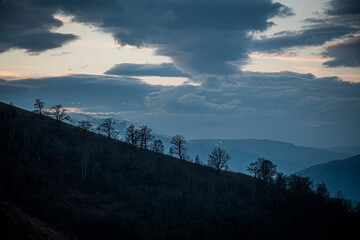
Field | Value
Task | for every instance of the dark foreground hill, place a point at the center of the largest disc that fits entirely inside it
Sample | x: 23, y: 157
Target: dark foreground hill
x: 341, y: 175
x: 89, y: 187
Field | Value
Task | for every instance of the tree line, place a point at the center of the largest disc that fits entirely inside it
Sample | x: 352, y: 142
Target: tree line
x: 142, y: 138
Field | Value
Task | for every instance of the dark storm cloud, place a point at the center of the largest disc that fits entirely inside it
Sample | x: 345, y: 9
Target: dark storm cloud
x: 161, y: 70
x: 29, y: 28
x: 103, y: 93
x: 293, y: 107
x: 341, y: 20
x: 200, y: 36
x: 344, y: 7
x: 344, y: 54
x: 314, y: 36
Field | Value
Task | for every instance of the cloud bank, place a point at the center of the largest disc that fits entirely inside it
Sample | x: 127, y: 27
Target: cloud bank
x: 201, y: 37
x: 287, y: 106
x: 29, y: 28
x: 341, y: 20
x: 344, y: 54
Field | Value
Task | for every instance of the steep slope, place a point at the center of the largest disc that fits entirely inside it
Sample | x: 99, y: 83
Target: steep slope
x: 289, y: 158
x: 89, y: 187
x: 343, y: 175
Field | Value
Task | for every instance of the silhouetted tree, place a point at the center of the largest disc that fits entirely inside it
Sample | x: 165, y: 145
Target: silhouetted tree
x: 344, y: 204
x: 98, y: 129
x: 197, y: 160
x: 145, y: 137
x: 11, y: 112
x: 85, y: 126
x: 107, y: 127
x: 157, y: 146
x: 357, y: 209
x: 280, y: 180
x: 263, y: 169
x: 299, y: 184
x: 218, y: 159
x: 84, y: 160
x: 178, y: 146
x: 59, y: 113
x: 40, y: 109
x: 322, y: 190
x: 132, y: 135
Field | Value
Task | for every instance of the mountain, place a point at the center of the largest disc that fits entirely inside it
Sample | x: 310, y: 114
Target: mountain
x: 343, y: 175
x: 289, y: 158
x: 63, y: 182
x: 348, y: 150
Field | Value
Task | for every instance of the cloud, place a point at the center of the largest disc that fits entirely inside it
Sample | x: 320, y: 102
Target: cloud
x: 341, y: 20
x: 287, y: 106
x: 93, y: 92
x: 343, y: 7
x: 193, y: 100
x: 29, y: 28
x: 59, y: 54
x: 201, y: 37
x: 344, y: 54
x: 161, y: 70
x: 312, y: 36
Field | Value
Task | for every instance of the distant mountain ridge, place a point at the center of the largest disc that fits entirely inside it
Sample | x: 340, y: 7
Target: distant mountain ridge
x: 288, y: 157
x: 343, y: 175
x: 348, y: 150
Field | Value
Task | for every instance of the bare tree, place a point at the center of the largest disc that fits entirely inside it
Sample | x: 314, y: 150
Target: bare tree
x: 85, y: 126
x: 107, y: 127
x: 60, y: 114
x: 197, y: 160
x: 145, y: 137
x: 40, y: 109
x: 157, y: 146
x: 299, y: 184
x: 98, y: 129
x: 178, y: 146
x: 263, y: 169
x: 132, y: 135
x: 322, y: 191
x: 218, y: 159
x: 280, y: 180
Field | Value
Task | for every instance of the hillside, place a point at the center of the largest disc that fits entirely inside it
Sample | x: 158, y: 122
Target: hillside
x: 17, y: 225
x: 343, y: 175
x: 89, y: 187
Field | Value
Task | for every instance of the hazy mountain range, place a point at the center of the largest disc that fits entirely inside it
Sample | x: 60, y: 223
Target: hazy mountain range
x: 343, y: 175
x: 288, y: 157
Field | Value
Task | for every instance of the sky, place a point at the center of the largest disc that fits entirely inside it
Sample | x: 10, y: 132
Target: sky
x: 286, y: 70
